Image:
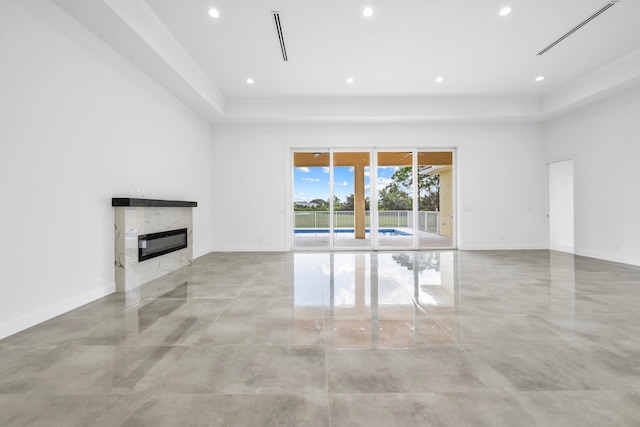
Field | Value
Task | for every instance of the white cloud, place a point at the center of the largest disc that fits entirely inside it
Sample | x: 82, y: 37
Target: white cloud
x: 351, y: 169
x: 304, y: 169
x: 367, y: 173
x: 325, y: 169
x: 343, y: 183
x: 383, y: 182
x: 311, y: 179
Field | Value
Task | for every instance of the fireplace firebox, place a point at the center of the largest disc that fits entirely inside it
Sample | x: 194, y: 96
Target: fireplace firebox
x: 156, y: 244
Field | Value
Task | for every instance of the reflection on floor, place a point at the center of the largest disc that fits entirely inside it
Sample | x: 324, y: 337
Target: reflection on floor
x: 346, y: 240
x: 440, y: 338
x: 365, y: 309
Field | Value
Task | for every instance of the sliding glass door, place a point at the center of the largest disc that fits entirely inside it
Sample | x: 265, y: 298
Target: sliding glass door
x: 311, y: 200
x: 435, y: 210
x: 351, y: 200
x: 377, y: 199
x: 395, y: 199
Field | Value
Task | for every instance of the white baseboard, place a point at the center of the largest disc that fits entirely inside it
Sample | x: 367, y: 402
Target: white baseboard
x: 503, y: 247
x: 609, y: 257
x: 250, y: 249
x: 202, y: 253
x: 562, y: 248
x: 31, y: 319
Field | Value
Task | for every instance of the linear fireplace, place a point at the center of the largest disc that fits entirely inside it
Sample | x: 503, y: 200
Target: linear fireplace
x: 156, y: 244
x: 151, y: 238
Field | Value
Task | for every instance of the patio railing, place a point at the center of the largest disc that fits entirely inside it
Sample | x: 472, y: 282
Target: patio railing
x: 427, y: 220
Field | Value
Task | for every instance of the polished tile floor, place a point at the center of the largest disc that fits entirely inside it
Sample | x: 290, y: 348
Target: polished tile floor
x: 448, y: 338
x: 320, y: 241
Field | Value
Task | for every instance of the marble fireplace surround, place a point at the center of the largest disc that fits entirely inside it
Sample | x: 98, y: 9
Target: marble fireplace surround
x: 136, y: 217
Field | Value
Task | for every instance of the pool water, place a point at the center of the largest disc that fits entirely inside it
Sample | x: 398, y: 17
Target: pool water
x: 381, y: 231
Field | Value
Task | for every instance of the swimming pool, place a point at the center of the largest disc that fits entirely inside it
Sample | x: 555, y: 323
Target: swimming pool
x: 381, y: 231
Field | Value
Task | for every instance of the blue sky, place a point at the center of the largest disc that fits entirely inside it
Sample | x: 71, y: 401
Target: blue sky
x: 311, y: 183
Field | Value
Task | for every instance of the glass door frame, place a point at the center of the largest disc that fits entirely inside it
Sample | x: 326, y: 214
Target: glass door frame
x: 414, y: 199
x: 332, y: 245
x: 374, y: 237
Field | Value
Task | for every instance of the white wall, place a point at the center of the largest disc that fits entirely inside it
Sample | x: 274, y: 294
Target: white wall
x: 603, y: 139
x: 79, y: 126
x: 501, y: 179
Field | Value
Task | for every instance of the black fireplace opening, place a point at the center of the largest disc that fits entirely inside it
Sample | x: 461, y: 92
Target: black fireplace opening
x: 156, y: 244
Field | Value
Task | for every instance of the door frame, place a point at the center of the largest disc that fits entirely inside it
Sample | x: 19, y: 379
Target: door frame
x: 373, y: 197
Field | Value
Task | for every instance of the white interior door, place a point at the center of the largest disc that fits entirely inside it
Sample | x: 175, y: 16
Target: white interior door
x: 561, y: 214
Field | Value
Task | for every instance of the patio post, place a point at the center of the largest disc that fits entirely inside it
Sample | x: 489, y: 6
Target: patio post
x: 358, y: 201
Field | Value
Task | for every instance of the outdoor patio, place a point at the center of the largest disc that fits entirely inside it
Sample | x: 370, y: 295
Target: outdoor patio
x: 306, y: 222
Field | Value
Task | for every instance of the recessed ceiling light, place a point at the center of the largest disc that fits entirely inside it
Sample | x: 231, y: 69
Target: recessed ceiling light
x: 350, y: 80
x: 250, y: 81
x: 539, y: 78
x: 214, y: 13
x: 367, y: 12
x: 439, y: 79
x: 505, y: 11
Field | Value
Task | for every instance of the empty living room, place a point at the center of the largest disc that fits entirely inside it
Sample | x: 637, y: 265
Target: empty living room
x: 286, y: 213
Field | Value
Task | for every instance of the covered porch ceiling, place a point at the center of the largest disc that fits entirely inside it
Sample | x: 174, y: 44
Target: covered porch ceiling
x: 362, y: 158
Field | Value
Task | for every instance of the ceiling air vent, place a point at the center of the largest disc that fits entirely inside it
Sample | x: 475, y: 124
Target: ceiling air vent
x: 580, y: 25
x: 276, y: 21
